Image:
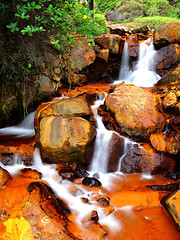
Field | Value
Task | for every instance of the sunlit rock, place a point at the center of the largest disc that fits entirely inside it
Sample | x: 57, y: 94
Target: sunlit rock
x: 169, y: 100
x: 30, y: 173
x: 45, y: 214
x: 166, y: 34
x: 133, y: 47
x: 172, y: 77
x: 104, y: 54
x: 81, y: 55
x: 109, y: 41
x: 5, y: 178
x: 62, y: 132
x: 26, y: 153
x: 166, y: 57
x: 136, y: 110
x: 166, y: 143
x: 146, y: 160
x: 62, y: 138
x: 172, y: 205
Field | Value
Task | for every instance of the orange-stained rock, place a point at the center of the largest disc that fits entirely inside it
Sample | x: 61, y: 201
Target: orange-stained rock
x: 5, y: 178
x: 76, y: 106
x: 104, y: 54
x: 109, y: 41
x: 45, y: 215
x: 81, y: 55
x: 172, y: 77
x: 136, y: 110
x: 133, y: 47
x: 167, y: 33
x: 145, y: 159
x: 141, y: 199
x: 166, y: 58
x: 166, y: 143
x: 26, y: 153
x: 171, y: 203
x: 61, y: 131
x: 76, y: 79
x: 30, y: 173
x: 169, y: 100
x: 62, y: 138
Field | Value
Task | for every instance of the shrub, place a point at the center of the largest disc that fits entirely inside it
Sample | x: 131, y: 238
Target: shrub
x: 155, y: 21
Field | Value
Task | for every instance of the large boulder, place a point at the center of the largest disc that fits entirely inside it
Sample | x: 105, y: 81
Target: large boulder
x: 146, y: 160
x: 136, y: 110
x: 172, y: 77
x: 166, y: 143
x: 166, y: 34
x: 62, y: 132
x: 109, y: 41
x: 81, y: 55
x: 64, y: 138
x: 166, y: 58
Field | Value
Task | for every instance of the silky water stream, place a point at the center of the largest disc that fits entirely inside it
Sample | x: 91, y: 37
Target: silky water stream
x: 133, y: 211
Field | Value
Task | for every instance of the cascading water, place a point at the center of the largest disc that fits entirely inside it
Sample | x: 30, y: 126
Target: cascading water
x: 24, y: 130
x: 103, y: 137
x: 144, y: 74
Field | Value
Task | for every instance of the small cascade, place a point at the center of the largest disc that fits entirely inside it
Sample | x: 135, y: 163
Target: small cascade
x: 101, y: 152
x: 128, y: 145
x: 143, y: 74
x: 124, y: 71
x: 24, y: 130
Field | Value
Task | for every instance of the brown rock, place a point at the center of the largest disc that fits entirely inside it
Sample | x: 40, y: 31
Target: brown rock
x: 166, y: 34
x: 62, y: 138
x: 5, y: 178
x: 45, y: 214
x: 26, y: 153
x: 172, y: 77
x: 116, y: 147
x: 133, y: 47
x: 30, y: 173
x: 104, y: 54
x: 76, y: 106
x: 171, y: 203
x: 81, y: 55
x: 109, y: 41
x: 166, y: 143
x: 146, y: 160
x: 77, y: 79
x: 170, y: 100
x: 166, y: 58
x: 136, y: 110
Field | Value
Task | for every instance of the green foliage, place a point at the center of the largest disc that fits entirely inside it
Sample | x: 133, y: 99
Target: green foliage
x: 105, y: 6
x: 160, y: 8
x: 155, y: 22
x: 61, y: 18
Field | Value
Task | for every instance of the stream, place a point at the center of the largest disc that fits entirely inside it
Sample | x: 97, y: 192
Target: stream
x: 133, y: 212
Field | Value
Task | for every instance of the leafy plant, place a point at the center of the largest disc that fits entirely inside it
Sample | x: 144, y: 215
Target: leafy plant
x: 63, y: 18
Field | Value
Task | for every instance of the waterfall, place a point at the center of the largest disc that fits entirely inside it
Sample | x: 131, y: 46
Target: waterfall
x: 144, y: 74
x: 24, y: 130
x: 101, y: 152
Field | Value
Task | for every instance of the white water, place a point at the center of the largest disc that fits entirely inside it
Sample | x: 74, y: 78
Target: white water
x: 143, y: 74
x: 103, y: 138
x: 25, y: 128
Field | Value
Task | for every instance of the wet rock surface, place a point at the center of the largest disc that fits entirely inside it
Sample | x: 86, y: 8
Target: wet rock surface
x: 62, y: 132
x: 166, y: 34
x: 145, y: 159
x: 136, y: 111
